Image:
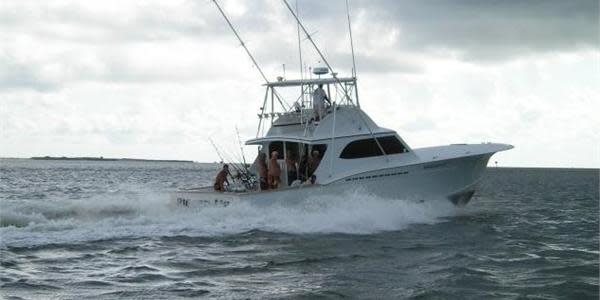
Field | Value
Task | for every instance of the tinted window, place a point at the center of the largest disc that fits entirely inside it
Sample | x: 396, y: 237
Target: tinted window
x: 360, y: 149
x: 368, y: 147
x: 391, y: 145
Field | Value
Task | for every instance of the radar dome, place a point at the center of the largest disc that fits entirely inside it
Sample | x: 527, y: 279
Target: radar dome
x: 320, y: 70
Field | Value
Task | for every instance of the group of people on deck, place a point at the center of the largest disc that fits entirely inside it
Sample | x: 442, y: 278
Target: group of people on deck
x: 269, y: 173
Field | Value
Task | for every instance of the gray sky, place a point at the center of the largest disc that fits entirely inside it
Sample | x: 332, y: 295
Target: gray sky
x: 156, y: 79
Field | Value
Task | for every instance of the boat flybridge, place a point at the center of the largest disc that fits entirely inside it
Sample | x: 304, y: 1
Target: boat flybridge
x: 340, y: 149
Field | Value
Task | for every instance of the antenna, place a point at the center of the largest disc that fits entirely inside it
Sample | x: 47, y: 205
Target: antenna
x: 284, y: 71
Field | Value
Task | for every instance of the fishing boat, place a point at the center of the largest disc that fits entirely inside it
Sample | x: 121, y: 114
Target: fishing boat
x: 354, y: 153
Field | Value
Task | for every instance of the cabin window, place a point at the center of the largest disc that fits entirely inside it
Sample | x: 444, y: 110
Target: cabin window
x: 391, y: 145
x: 368, y: 147
x: 360, y: 149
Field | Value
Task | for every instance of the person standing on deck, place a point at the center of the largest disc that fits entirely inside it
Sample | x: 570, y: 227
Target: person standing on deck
x: 314, y: 162
x: 303, y: 168
x: 274, y: 171
x: 319, y: 98
x: 221, y: 179
x: 292, y: 167
x: 261, y: 166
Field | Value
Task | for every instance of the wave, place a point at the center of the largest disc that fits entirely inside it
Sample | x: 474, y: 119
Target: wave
x: 142, y: 214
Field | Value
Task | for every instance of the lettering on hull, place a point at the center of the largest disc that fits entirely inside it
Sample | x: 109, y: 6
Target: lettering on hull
x: 181, y: 201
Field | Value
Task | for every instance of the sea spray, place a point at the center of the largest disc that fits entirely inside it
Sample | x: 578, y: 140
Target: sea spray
x: 147, y: 214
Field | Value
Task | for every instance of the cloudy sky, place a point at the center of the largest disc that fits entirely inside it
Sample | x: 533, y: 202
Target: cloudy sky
x: 156, y: 79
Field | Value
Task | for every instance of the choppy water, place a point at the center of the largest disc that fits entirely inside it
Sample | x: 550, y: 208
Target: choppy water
x: 104, y: 230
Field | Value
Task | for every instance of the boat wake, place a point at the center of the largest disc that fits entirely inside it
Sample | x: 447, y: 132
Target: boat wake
x: 133, y: 215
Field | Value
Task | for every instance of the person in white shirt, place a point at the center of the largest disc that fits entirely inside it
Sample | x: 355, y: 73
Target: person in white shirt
x: 319, y: 98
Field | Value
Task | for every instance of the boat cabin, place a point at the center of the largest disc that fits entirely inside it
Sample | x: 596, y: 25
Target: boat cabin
x: 345, y: 138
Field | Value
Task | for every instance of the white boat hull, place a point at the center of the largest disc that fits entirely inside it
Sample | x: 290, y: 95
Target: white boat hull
x: 451, y: 179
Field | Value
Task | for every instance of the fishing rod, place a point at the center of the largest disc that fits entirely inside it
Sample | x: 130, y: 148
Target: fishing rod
x: 245, y: 175
x: 216, y: 150
x: 244, y: 172
x: 227, y: 158
x: 241, y: 147
x: 223, y: 160
x: 234, y: 159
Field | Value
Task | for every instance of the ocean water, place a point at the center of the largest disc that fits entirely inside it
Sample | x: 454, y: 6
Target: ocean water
x: 82, y: 229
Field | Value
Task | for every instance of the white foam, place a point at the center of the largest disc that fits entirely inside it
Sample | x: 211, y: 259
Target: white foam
x: 142, y: 214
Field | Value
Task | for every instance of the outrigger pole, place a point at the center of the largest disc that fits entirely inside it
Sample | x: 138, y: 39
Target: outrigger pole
x: 247, y: 51
x: 300, y: 56
x: 352, y: 48
x: 351, y: 42
x: 241, y: 41
x: 337, y: 80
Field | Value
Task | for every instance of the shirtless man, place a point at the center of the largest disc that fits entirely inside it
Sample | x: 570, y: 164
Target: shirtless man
x: 274, y: 171
x: 261, y: 166
x: 221, y: 179
x: 292, y: 166
x: 314, y: 162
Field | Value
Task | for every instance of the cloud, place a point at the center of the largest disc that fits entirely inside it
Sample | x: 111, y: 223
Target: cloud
x: 155, y: 78
x: 17, y: 75
x: 483, y: 31
x: 50, y: 45
x: 489, y: 30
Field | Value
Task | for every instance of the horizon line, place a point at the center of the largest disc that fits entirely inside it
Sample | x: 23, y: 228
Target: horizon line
x: 100, y: 158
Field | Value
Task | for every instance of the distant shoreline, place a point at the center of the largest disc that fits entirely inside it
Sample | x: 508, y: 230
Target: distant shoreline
x: 109, y: 159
